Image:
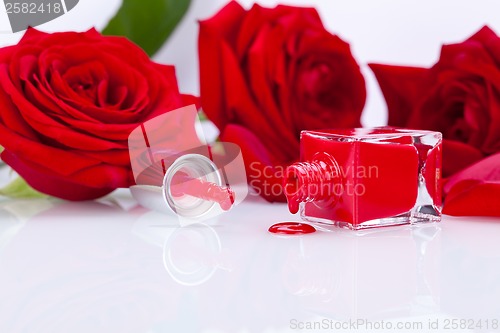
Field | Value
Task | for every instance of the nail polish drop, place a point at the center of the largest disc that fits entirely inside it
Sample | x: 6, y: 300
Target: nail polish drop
x: 293, y: 205
x: 292, y: 228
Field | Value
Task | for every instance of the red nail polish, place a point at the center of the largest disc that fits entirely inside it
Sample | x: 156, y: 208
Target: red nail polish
x: 183, y: 184
x: 363, y: 178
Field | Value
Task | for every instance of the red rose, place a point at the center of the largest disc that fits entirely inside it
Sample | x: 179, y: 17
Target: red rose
x: 460, y: 97
x: 267, y: 74
x: 69, y: 101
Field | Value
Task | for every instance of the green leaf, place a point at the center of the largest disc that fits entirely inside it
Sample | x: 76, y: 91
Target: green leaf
x: 148, y: 23
x: 19, y: 189
x: 202, y: 116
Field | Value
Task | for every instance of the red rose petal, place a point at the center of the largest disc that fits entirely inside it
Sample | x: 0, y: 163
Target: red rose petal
x: 13, y: 120
x: 60, y: 161
x: 191, y: 100
x: 47, y: 126
x: 45, y: 181
x: 75, y: 117
x: 484, y: 35
x: 263, y: 172
x: 261, y: 83
x: 211, y: 65
x: 32, y: 35
x: 491, y: 143
x: 402, y: 89
x: 473, y: 198
x: 457, y: 156
x: 329, y: 87
x: 475, y: 190
x: 486, y: 170
x: 236, y: 103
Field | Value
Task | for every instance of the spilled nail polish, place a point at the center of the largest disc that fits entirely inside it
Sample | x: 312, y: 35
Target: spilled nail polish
x: 292, y: 228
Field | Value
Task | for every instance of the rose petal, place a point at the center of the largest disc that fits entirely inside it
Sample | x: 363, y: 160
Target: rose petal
x: 99, y: 175
x: 32, y: 35
x: 329, y: 86
x: 120, y: 73
x: 264, y: 173
x: 236, y: 102
x: 6, y: 54
x: 63, y: 162
x: 473, y: 198
x: 69, y: 188
x: 457, y: 156
x: 253, y: 117
x: 475, y: 191
x: 492, y: 142
x: 47, y: 126
x: 263, y: 86
x: 489, y: 39
x: 402, y: 89
x: 211, y: 36
x: 486, y: 170
x: 286, y: 19
x: 13, y: 120
x: 191, y: 100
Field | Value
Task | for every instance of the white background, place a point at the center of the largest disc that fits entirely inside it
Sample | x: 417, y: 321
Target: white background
x: 406, y: 32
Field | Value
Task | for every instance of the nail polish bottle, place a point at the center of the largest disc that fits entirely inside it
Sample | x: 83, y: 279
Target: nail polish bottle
x: 364, y: 178
x: 177, y: 172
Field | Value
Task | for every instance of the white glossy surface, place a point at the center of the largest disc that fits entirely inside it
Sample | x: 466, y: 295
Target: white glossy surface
x: 111, y: 266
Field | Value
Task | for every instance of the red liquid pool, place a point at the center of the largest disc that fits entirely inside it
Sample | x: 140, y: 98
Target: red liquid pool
x: 292, y: 228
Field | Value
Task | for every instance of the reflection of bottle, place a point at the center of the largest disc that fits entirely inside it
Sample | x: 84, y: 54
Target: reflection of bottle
x: 190, y: 255
x: 368, y: 274
x: 363, y: 178
x: 427, y: 271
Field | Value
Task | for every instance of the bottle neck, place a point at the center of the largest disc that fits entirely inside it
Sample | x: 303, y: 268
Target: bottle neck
x: 312, y: 181
x: 193, y: 185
